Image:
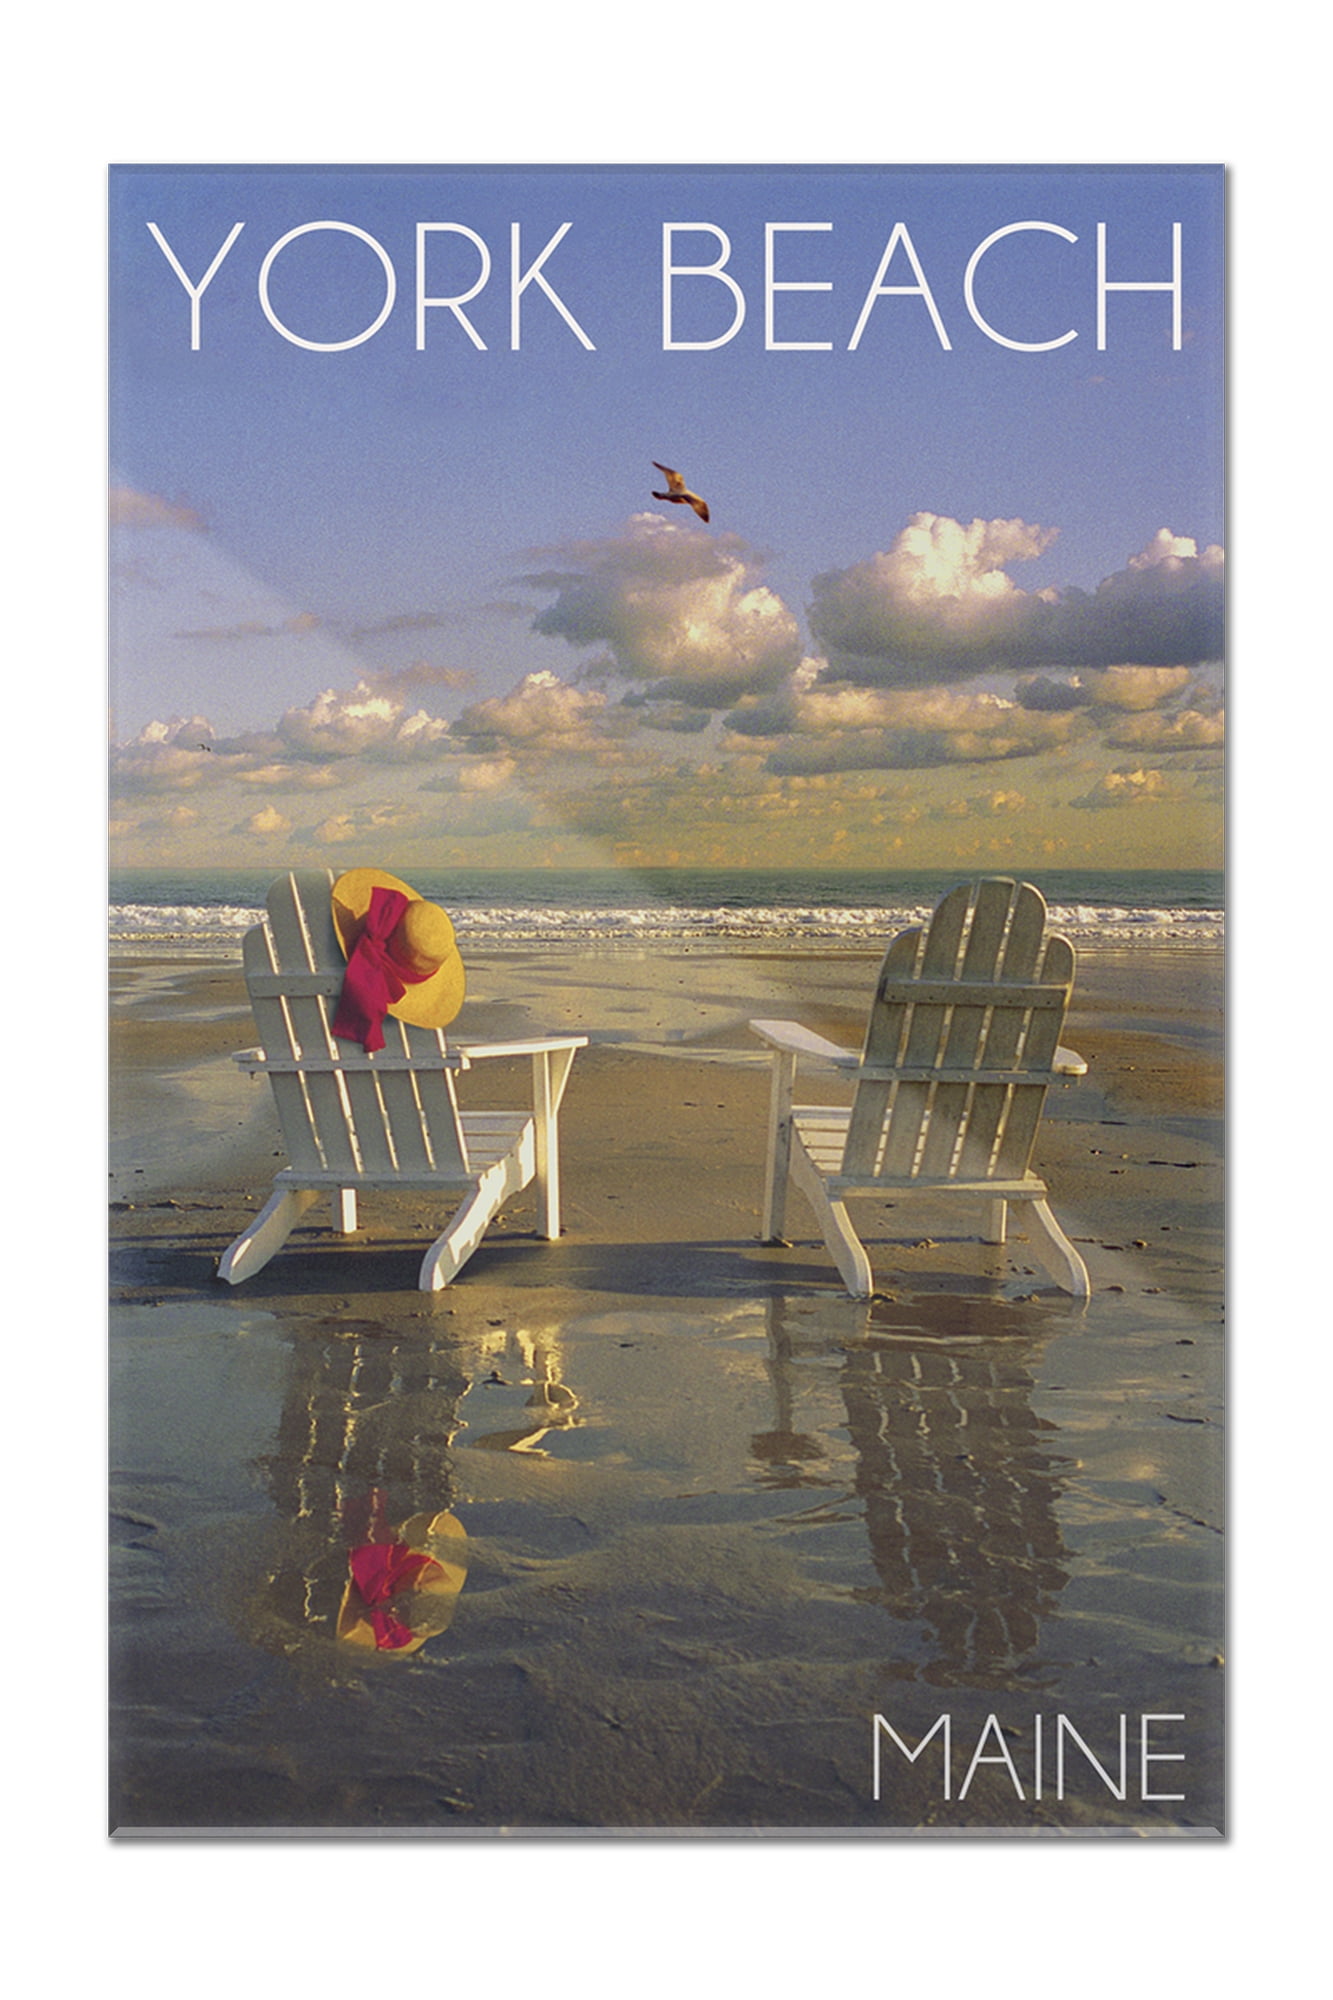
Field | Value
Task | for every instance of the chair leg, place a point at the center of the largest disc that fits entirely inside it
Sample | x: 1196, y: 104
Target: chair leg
x: 266, y: 1234
x: 550, y: 1073
x: 840, y: 1239
x: 451, y: 1250
x: 997, y: 1222
x: 778, y: 1160
x: 1053, y: 1248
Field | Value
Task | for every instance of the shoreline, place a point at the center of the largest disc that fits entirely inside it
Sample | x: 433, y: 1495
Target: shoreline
x: 719, y: 1515
x: 188, y: 948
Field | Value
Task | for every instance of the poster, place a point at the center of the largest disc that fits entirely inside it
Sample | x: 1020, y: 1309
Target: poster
x: 683, y: 577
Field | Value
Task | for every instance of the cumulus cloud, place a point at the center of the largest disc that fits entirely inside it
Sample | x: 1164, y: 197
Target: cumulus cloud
x: 474, y: 775
x: 1123, y: 788
x: 846, y: 728
x: 940, y: 606
x: 172, y: 756
x: 1108, y: 688
x: 268, y: 823
x: 682, y: 612
x: 542, y: 714
x: 363, y: 823
x: 309, y: 749
x: 361, y: 723
x: 1136, y: 688
x: 1188, y: 730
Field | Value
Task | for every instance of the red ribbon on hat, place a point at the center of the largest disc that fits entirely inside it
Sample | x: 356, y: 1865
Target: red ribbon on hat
x: 374, y: 979
x: 380, y: 1570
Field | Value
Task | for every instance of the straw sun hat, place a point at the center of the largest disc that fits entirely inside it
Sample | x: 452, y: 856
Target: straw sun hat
x: 421, y: 942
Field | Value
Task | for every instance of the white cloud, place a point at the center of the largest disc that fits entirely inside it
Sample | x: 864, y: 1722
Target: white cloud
x: 1187, y: 730
x: 543, y: 713
x: 289, y: 777
x: 940, y: 606
x: 682, y: 612
x: 842, y: 728
x: 542, y: 704
x: 1121, y: 687
x: 269, y: 823
x: 361, y: 723
x: 1124, y: 788
x: 474, y: 775
x: 173, y: 756
x: 363, y: 823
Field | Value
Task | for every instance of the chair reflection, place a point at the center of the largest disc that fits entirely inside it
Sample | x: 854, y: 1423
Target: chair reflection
x: 951, y: 1467
x: 366, y: 1443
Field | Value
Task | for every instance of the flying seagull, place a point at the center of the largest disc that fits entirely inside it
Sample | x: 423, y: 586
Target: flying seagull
x: 680, y: 493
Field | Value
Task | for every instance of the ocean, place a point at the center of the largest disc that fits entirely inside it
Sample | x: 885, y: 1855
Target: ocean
x: 610, y: 909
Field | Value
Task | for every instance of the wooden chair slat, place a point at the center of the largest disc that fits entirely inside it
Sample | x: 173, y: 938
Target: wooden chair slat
x: 1027, y: 928
x: 1022, y: 1117
x: 890, y: 1012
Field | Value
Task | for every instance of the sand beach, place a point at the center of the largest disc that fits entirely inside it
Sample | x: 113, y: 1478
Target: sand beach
x: 717, y: 1517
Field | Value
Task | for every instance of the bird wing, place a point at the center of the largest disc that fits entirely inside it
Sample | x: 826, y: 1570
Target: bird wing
x: 680, y: 492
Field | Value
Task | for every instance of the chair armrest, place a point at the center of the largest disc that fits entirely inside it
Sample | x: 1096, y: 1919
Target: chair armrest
x: 793, y: 1039
x: 542, y: 1045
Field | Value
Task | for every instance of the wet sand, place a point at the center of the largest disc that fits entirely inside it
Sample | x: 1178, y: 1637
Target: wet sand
x: 719, y: 1517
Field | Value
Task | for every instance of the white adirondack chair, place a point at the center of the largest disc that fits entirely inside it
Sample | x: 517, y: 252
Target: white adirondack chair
x: 352, y: 1121
x: 961, y: 1046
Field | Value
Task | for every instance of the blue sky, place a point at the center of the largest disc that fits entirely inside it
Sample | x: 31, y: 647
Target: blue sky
x: 418, y: 605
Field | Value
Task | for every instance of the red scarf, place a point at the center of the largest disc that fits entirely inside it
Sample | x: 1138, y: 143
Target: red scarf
x: 374, y: 979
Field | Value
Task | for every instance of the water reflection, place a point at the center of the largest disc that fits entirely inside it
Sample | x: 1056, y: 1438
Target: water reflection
x: 550, y: 1404
x: 953, y: 1472
x: 361, y: 1462
x: 787, y: 1457
x: 910, y: 1426
x: 366, y: 1555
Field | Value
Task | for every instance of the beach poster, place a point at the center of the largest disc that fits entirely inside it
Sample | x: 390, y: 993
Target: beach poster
x: 667, y: 587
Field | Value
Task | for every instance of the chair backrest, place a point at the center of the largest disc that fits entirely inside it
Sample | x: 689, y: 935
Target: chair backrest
x: 341, y: 1110
x: 961, y: 1040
